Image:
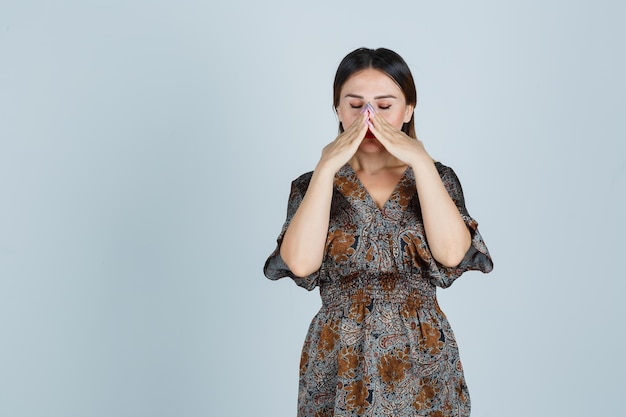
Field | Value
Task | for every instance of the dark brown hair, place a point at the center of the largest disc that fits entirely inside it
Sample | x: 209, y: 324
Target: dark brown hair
x: 384, y: 60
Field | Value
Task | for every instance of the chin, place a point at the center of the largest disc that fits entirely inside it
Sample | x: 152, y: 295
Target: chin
x: 371, y: 145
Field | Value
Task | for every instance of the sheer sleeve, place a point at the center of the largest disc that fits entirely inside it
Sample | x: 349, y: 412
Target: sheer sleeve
x: 275, y: 267
x: 477, y: 257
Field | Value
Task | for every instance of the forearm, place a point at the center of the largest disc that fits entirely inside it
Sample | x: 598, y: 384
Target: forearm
x: 304, y: 241
x: 448, y: 236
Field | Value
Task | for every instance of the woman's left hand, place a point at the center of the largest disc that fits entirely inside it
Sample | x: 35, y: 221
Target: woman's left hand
x: 397, y: 143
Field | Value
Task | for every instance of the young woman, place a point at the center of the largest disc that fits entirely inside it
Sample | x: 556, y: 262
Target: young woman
x: 378, y: 225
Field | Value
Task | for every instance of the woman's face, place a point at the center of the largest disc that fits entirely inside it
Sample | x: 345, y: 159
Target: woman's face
x: 377, y: 88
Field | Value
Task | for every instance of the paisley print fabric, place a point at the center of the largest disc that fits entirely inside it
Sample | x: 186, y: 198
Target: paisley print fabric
x: 380, y: 345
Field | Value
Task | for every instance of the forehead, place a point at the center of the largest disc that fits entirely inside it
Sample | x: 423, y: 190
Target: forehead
x: 371, y: 82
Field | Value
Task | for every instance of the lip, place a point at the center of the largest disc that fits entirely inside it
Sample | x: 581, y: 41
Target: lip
x: 369, y: 135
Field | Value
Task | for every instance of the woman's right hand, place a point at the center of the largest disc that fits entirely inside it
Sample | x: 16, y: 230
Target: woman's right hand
x: 337, y: 153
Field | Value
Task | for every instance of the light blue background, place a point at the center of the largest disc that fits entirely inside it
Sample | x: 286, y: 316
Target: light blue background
x: 146, y: 152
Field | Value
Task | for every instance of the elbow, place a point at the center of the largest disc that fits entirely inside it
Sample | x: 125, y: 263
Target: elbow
x: 450, y: 260
x: 453, y: 256
x: 302, y: 271
x: 300, y: 267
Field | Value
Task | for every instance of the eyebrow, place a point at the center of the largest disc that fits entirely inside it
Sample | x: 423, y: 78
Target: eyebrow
x: 375, y: 98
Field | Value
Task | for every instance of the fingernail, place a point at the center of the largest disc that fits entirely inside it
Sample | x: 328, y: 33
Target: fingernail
x: 370, y: 124
x: 370, y: 107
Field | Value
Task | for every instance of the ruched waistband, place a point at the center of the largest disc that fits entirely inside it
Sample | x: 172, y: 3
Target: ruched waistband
x: 385, y: 287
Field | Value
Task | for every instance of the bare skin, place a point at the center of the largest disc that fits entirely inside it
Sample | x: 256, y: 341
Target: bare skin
x: 379, y: 164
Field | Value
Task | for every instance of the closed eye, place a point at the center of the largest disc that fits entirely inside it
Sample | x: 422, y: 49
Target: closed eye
x: 384, y: 107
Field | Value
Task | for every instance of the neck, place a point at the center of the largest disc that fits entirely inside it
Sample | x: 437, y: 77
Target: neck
x: 374, y: 163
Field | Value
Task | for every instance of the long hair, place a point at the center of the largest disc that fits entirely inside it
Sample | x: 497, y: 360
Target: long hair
x: 384, y: 60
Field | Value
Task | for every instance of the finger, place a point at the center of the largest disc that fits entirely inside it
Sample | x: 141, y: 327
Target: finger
x: 380, y: 121
x: 378, y: 133
x: 358, y: 124
x: 360, y: 134
x: 357, y: 129
x: 374, y: 122
x: 386, y: 129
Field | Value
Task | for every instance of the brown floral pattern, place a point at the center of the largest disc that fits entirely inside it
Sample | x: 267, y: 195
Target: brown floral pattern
x: 328, y: 336
x: 380, y: 345
x: 340, y: 245
x: 392, y: 367
x: 357, y: 395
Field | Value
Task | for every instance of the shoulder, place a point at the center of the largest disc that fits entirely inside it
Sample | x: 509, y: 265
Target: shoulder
x: 450, y: 180
x: 302, y: 182
x: 304, y: 178
x: 442, y: 168
x: 446, y: 173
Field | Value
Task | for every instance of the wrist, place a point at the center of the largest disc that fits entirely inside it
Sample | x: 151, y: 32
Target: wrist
x: 421, y: 160
x: 323, y: 169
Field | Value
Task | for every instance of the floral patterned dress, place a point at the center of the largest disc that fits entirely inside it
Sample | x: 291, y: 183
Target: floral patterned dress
x: 380, y: 345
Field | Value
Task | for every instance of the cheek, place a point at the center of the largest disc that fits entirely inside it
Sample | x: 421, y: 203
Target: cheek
x: 348, y: 117
x: 396, y: 119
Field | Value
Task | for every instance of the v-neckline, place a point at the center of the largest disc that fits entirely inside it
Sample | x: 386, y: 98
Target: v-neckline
x: 366, y: 192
